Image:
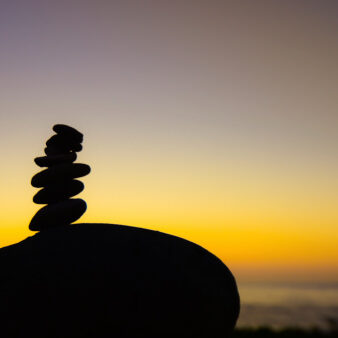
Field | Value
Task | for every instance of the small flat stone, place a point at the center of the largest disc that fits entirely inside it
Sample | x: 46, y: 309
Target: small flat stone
x: 58, y: 214
x: 55, y: 151
x: 48, y: 161
x: 64, y: 142
x: 70, y: 131
x: 58, y: 173
x: 58, y: 192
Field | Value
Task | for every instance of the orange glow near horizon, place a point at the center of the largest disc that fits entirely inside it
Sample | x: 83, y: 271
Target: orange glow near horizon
x: 258, y: 235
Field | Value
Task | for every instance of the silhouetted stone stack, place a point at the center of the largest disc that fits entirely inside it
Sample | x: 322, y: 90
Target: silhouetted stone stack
x: 58, y: 181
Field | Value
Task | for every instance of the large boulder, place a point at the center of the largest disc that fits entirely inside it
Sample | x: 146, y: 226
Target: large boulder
x: 103, y: 280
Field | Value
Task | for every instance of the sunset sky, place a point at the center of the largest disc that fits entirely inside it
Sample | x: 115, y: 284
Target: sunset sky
x: 211, y: 120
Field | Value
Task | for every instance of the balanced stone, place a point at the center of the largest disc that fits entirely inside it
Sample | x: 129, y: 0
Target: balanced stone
x: 64, y: 142
x: 58, y: 191
x: 54, y: 151
x: 58, y: 214
x: 61, y: 172
x: 48, y: 161
x: 67, y: 130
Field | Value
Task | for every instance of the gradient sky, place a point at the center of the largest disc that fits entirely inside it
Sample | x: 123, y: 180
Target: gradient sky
x: 211, y: 120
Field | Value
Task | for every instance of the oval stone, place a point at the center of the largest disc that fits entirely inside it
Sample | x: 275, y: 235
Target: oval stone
x: 48, y: 161
x: 70, y: 131
x: 54, y: 151
x: 58, y: 214
x: 64, y: 142
x: 61, y: 172
x: 58, y: 192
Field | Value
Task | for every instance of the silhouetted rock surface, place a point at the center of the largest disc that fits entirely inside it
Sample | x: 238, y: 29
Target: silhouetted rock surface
x: 100, y: 280
x: 57, y: 180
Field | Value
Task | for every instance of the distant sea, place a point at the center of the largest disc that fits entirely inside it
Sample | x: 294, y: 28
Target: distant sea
x: 288, y: 305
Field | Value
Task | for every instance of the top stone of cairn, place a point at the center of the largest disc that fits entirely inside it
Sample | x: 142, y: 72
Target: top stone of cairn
x: 68, y: 131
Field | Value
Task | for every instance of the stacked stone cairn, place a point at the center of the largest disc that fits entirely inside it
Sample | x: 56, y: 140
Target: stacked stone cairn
x: 58, y: 181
